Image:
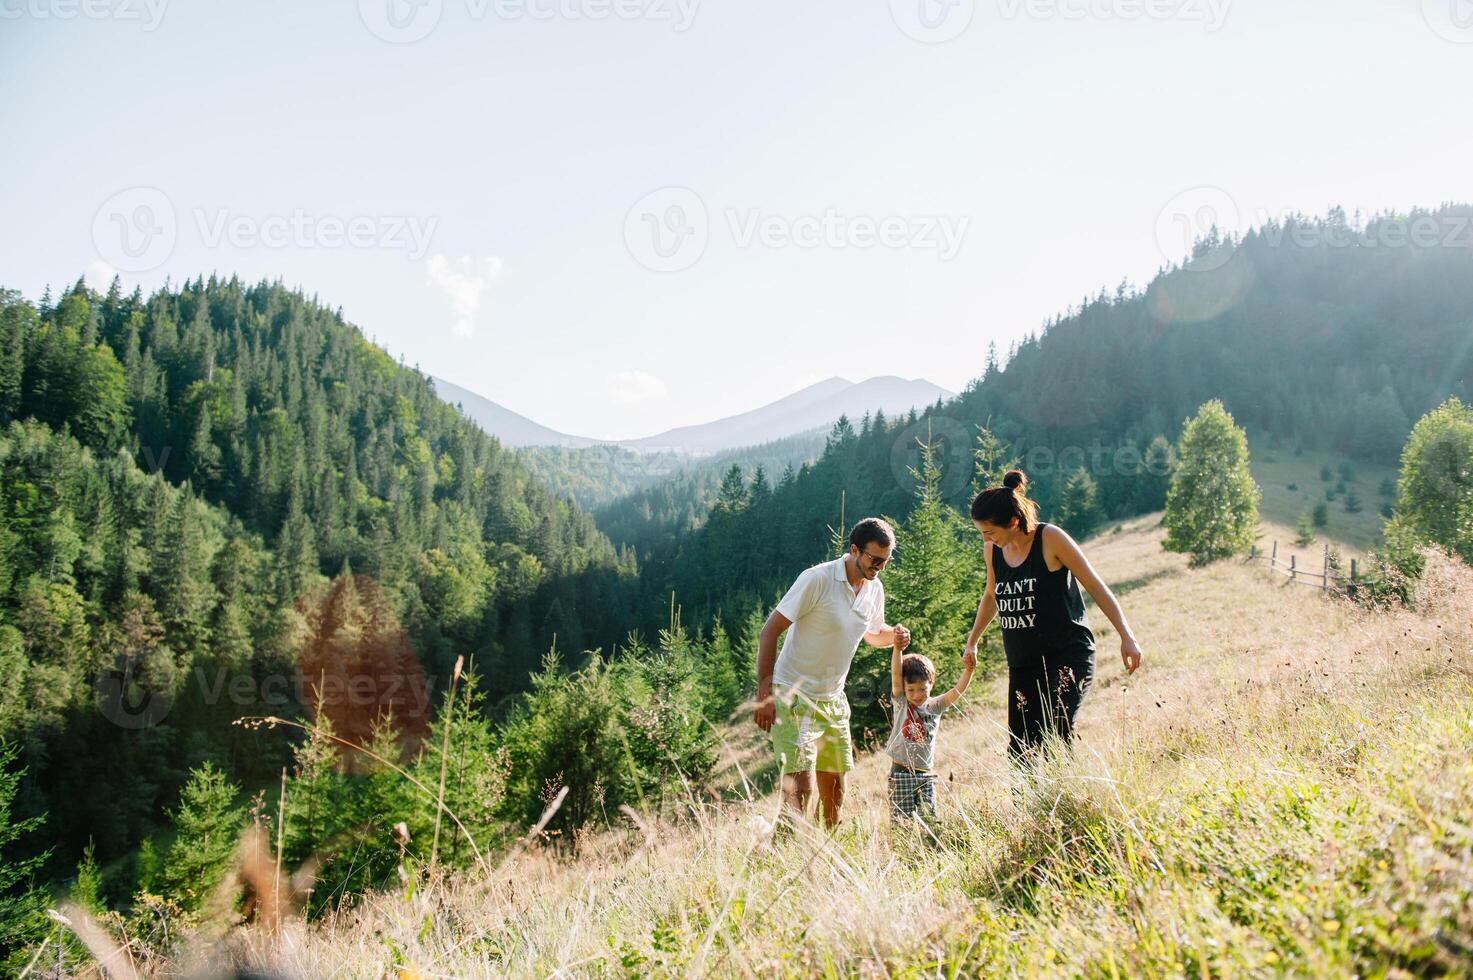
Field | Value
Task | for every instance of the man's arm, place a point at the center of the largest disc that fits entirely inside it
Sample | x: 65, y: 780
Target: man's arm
x: 766, y: 712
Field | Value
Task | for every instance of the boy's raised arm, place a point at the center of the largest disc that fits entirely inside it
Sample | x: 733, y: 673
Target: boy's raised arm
x: 951, y: 697
x: 897, y: 680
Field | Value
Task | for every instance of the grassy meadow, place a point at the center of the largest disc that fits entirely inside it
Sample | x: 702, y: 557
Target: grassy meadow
x: 1285, y: 787
x: 1279, y: 470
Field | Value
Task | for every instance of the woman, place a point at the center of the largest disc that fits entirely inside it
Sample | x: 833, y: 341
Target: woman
x: 1033, y: 576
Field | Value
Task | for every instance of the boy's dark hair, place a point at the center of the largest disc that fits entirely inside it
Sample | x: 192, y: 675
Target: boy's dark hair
x: 916, y: 668
x: 872, y: 530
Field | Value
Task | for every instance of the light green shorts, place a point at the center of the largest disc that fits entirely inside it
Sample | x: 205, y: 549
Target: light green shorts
x: 812, y: 734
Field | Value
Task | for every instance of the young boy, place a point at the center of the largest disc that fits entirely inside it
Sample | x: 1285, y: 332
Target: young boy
x: 916, y: 716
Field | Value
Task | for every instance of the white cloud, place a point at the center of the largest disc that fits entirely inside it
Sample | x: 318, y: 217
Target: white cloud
x: 99, y: 275
x: 625, y: 387
x: 463, y: 280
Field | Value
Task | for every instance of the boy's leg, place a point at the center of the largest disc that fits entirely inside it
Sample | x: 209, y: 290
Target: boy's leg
x: 926, y: 796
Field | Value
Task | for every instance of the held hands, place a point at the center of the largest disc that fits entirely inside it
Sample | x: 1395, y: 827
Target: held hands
x: 1130, y: 655
x: 902, y: 637
x: 969, y: 657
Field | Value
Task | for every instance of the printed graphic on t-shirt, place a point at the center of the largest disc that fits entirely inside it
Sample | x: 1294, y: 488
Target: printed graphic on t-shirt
x: 1015, y: 609
x: 914, y: 729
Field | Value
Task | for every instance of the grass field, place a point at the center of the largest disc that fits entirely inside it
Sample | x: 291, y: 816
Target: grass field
x: 1285, y: 787
x: 1276, y: 470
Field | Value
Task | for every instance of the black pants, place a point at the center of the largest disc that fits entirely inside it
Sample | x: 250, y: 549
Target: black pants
x: 1044, y: 693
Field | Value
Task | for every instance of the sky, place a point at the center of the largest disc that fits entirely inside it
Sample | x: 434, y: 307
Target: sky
x: 619, y: 216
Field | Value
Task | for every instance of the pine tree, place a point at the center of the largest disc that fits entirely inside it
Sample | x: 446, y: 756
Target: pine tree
x: 1212, y: 507
x: 22, y: 906
x: 927, y: 589
x: 315, y: 794
x: 1304, y: 530
x: 1079, y: 511
x: 1154, y: 481
x: 207, y: 827
x: 87, y: 891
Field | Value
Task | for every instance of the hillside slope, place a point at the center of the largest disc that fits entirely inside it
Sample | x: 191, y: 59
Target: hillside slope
x: 1284, y: 787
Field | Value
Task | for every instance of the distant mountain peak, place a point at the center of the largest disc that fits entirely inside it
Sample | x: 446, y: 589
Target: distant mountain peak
x: 817, y: 405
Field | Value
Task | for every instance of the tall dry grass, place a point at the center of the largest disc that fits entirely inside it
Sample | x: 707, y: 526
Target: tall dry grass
x: 1287, y: 786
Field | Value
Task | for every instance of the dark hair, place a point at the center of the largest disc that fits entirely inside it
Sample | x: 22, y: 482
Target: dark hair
x: 872, y: 530
x: 916, y: 668
x: 1008, y: 503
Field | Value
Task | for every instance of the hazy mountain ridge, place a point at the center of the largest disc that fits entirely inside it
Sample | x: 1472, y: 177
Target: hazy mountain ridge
x: 816, y: 406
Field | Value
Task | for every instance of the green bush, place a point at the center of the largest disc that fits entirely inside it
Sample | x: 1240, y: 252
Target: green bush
x: 1435, y: 495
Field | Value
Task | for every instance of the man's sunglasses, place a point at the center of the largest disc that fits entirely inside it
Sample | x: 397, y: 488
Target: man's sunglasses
x: 880, y: 561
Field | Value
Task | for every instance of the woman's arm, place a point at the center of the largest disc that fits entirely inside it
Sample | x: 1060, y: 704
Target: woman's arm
x: 986, y: 609
x: 1056, y: 541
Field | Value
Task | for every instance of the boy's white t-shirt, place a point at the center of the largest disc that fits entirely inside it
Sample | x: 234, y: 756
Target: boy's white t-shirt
x: 913, y: 732
x: 829, y: 620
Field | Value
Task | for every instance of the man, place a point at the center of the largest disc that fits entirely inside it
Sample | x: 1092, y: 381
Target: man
x: 800, y: 692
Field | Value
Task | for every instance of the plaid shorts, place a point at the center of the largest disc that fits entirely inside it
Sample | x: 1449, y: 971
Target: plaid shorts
x: 912, y: 793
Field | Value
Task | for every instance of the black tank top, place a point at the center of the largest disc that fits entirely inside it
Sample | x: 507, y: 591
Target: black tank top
x: 1040, y: 612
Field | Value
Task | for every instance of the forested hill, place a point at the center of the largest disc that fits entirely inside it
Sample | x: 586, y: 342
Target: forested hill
x: 1314, y: 332
x: 181, y: 475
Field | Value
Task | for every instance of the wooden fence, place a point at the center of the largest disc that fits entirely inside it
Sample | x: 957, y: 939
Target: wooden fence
x: 1302, y: 574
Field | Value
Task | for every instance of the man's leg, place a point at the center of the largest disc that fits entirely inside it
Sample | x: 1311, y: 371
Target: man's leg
x: 797, y: 788
x: 795, y: 740
x: 831, y: 796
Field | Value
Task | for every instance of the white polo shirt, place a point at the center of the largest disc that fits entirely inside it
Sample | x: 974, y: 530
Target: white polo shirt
x: 829, y: 620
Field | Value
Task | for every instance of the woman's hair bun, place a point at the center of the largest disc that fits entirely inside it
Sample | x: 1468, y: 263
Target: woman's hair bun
x: 1015, y: 480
